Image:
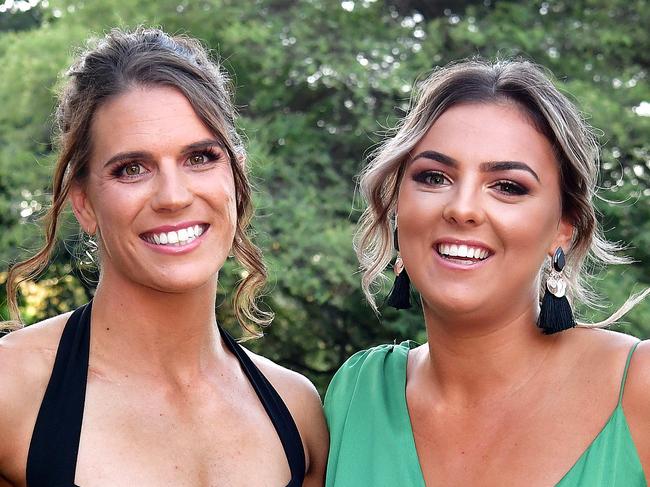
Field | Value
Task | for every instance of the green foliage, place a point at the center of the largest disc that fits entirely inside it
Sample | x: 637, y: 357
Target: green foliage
x: 316, y: 84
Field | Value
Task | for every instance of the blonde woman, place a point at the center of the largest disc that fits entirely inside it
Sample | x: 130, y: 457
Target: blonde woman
x: 485, y: 191
x: 141, y: 387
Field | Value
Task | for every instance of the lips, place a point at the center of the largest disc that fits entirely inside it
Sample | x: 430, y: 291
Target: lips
x: 181, y: 235
x: 465, y: 253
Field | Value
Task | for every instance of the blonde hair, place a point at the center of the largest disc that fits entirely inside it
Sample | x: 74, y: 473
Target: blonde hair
x: 531, y: 89
x: 110, y: 66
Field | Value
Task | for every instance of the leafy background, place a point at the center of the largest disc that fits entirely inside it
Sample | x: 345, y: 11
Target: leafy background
x: 317, y: 82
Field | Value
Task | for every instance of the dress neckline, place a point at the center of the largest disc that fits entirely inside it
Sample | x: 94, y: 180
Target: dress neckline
x: 408, y: 345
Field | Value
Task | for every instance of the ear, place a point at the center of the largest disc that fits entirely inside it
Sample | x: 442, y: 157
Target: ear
x: 563, y: 236
x: 82, y: 209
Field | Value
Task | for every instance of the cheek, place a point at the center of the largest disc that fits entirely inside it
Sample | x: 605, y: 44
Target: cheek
x: 531, y: 228
x: 417, y: 215
x: 221, y: 194
x: 114, y: 205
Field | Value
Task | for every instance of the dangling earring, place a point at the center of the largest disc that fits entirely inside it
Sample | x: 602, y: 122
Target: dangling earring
x: 400, y: 295
x: 555, y: 314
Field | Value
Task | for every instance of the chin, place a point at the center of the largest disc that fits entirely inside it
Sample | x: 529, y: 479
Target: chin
x: 182, y: 286
x: 460, y: 304
x: 183, y: 279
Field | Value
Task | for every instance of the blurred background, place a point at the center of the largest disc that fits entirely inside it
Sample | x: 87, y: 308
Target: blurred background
x: 317, y: 82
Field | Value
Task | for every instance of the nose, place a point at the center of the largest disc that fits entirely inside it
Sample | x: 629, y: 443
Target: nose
x: 464, y: 206
x: 172, y: 189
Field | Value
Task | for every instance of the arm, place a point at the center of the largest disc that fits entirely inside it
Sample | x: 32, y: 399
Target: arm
x: 11, y: 415
x: 26, y: 358
x: 636, y: 403
x: 304, y: 404
x: 313, y: 429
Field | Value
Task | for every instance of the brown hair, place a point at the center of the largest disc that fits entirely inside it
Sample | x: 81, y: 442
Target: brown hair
x: 147, y: 57
x: 531, y: 89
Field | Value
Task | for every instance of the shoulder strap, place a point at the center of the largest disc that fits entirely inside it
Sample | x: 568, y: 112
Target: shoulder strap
x: 627, y: 366
x: 52, y: 457
x: 275, y: 408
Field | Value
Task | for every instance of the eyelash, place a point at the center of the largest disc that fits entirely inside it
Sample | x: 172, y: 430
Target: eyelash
x: 506, y: 187
x: 424, y: 177
x: 211, y: 155
x: 515, y: 189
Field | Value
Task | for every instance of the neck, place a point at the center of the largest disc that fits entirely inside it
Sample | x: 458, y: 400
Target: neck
x: 154, y: 332
x: 472, y: 361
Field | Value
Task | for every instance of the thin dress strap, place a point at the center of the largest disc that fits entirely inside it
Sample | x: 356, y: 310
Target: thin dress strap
x: 276, y: 409
x: 53, y: 450
x: 627, y: 366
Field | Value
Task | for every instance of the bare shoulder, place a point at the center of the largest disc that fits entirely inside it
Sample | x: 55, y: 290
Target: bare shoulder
x: 601, y: 351
x: 26, y: 359
x: 304, y: 403
x: 298, y: 393
x: 28, y: 349
x: 289, y: 384
x: 27, y: 355
x: 637, y: 388
x: 636, y: 401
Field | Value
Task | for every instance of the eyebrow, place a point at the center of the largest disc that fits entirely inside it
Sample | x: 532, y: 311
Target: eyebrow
x: 195, y: 146
x: 490, y: 166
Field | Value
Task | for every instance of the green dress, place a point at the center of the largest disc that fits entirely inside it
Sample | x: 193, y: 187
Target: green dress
x: 371, y: 440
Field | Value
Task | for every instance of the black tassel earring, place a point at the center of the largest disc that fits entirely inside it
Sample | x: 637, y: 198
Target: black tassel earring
x: 400, y: 295
x: 555, y: 314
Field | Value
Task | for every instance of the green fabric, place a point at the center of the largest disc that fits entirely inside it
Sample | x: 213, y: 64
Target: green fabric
x: 371, y: 441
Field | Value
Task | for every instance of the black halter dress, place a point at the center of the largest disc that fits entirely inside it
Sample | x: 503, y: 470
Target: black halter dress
x: 52, y: 458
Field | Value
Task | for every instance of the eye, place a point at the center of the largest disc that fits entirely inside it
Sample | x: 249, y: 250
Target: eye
x: 510, y: 188
x: 196, y: 159
x: 431, y: 178
x: 129, y: 170
x: 204, y: 157
x: 132, y: 169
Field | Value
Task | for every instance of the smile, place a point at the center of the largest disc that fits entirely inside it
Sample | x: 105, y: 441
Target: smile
x: 177, y: 238
x: 462, y: 253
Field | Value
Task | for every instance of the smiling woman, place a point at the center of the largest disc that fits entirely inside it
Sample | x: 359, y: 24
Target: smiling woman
x: 485, y: 191
x: 141, y: 386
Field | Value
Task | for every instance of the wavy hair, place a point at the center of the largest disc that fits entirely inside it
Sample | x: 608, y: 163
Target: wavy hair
x: 110, y: 66
x: 531, y: 88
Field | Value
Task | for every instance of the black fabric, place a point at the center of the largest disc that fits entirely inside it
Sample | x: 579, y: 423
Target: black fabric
x: 277, y: 411
x: 52, y: 458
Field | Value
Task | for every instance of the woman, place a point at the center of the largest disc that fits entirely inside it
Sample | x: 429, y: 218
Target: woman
x: 144, y: 388
x: 489, y: 182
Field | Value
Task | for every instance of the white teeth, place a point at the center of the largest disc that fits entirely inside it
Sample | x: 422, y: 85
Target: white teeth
x: 179, y: 237
x: 462, y: 250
